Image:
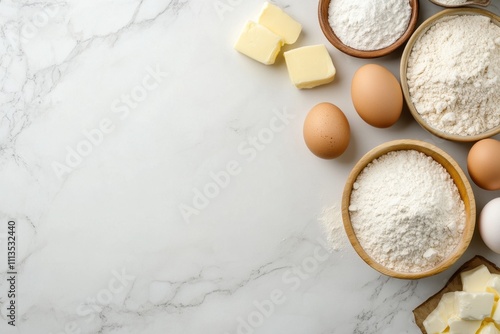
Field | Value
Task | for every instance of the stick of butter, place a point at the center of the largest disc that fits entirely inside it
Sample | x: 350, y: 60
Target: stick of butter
x: 459, y: 326
x: 493, y: 285
x: 280, y: 23
x: 310, y: 66
x: 474, y: 305
x: 437, y: 320
x: 489, y: 329
x: 475, y: 280
x: 259, y: 43
x: 496, y: 313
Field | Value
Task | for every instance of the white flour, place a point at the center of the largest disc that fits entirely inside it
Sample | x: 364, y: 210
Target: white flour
x: 454, y: 75
x: 331, y: 220
x: 369, y: 24
x: 406, y: 211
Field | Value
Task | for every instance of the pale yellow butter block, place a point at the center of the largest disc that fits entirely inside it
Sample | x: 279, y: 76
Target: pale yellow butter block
x: 310, y: 66
x: 475, y: 280
x: 279, y: 22
x: 489, y: 328
x: 437, y: 321
x: 459, y: 326
x: 496, y: 313
x: 434, y: 323
x: 474, y: 305
x: 493, y: 285
x: 259, y: 43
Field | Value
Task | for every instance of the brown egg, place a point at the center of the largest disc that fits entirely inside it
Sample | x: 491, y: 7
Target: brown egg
x: 326, y: 131
x: 483, y: 163
x: 376, y: 95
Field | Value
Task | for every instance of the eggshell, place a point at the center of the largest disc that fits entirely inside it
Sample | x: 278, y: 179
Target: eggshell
x: 377, y: 95
x: 483, y: 164
x: 326, y: 131
x: 489, y: 225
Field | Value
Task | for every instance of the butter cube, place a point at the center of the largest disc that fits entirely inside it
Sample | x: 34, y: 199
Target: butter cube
x: 259, y: 43
x: 475, y: 280
x: 434, y: 323
x: 310, y: 66
x: 280, y: 23
x: 459, y: 326
x: 493, y: 285
x: 446, y: 305
x: 496, y: 313
x: 489, y: 329
x: 474, y: 305
x: 437, y: 321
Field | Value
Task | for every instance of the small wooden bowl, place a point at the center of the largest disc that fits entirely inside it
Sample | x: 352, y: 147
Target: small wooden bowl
x: 456, y: 174
x: 336, y: 42
x: 482, y: 3
x: 422, y: 29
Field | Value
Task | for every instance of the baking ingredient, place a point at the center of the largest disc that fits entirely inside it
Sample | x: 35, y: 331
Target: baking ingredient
x: 279, y: 22
x: 259, y: 43
x: 467, y: 312
x: 451, y: 2
x: 494, y: 285
x: 434, y: 323
x: 369, y: 24
x: 331, y: 221
x: 310, y: 66
x: 404, y: 204
x: 496, y: 313
x: 483, y: 163
x: 326, y: 131
x: 460, y: 326
x: 262, y: 41
x: 376, y: 95
x: 453, y: 75
x: 474, y: 305
x: 489, y: 224
x: 489, y: 329
x: 475, y: 280
x: 437, y: 320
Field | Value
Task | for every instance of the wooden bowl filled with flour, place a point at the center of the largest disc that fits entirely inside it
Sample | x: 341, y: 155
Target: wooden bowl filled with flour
x: 368, y: 28
x: 450, y: 74
x: 408, y: 209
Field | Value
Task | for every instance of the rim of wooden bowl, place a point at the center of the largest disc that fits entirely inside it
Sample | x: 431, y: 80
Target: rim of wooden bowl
x: 336, y: 42
x: 458, y: 177
x: 422, y: 29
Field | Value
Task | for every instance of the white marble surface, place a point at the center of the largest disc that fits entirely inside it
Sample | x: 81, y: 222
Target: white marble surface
x: 102, y: 244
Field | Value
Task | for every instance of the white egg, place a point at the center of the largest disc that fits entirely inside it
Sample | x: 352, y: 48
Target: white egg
x: 489, y: 225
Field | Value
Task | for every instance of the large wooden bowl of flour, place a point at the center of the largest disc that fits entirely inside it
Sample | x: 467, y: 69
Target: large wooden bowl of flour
x: 433, y: 155
x: 440, y: 92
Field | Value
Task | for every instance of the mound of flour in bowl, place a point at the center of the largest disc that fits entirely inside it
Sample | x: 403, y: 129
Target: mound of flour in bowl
x: 453, y: 75
x: 369, y: 24
x: 406, y: 211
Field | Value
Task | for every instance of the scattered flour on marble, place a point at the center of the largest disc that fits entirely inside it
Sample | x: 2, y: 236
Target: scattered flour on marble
x: 331, y: 221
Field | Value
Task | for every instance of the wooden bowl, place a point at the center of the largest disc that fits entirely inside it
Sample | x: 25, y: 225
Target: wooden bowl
x: 422, y: 29
x: 456, y: 174
x: 336, y: 42
x: 483, y: 3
